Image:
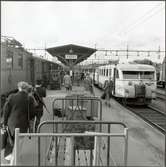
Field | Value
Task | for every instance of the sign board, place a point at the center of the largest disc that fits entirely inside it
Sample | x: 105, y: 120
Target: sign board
x: 69, y: 56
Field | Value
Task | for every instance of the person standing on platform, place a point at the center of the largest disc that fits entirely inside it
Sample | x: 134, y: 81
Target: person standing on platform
x: 82, y: 76
x: 38, y: 93
x: 77, y: 79
x: 67, y: 81
x: 108, y: 87
x: 18, y: 111
x: 88, y: 84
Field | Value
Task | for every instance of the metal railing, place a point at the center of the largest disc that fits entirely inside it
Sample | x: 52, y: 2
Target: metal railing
x: 92, y: 105
x: 100, y: 128
x: 94, y: 158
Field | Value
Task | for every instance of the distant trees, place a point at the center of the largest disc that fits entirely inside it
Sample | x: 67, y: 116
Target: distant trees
x: 149, y: 62
x: 144, y: 61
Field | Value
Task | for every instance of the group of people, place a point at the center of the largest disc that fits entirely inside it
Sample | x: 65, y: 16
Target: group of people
x: 24, y: 107
x: 21, y: 108
x: 87, y: 82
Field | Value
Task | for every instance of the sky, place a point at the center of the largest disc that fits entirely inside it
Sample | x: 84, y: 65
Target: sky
x: 107, y: 25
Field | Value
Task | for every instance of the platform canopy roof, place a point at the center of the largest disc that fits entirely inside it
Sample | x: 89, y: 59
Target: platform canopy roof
x: 71, y: 54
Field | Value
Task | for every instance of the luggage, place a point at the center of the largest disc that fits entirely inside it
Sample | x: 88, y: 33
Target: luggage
x: 4, y: 136
x: 57, y: 112
x: 103, y: 96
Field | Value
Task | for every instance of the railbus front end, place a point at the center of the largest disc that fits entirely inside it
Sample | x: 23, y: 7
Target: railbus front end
x: 135, y: 83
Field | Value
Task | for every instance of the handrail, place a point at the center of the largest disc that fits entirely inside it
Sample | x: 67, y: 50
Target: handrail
x: 78, y: 121
x: 93, y: 134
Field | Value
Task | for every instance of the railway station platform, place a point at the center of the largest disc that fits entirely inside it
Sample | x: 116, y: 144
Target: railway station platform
x: 160, y: 101
x: 145, y: 144
x: 161, y: 91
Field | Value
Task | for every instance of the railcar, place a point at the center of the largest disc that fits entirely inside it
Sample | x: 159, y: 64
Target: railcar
x: 17, y: 64
x: 133, y: 83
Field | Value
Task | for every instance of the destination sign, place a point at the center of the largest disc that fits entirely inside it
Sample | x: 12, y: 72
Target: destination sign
x: 69, y: 56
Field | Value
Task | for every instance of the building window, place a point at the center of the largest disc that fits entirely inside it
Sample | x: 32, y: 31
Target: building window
x: 20, y: 60
x: 9, y: 59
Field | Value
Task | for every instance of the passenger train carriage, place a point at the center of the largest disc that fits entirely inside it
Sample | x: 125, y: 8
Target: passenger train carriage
x: 133, y: 83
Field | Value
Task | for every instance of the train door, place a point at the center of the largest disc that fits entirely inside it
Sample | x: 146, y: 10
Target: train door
x: 114, y: 80
x: 97, y: 77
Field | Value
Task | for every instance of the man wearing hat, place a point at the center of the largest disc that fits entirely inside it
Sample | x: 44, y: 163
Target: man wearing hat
x: 18, y: 110
x: 39, y: 94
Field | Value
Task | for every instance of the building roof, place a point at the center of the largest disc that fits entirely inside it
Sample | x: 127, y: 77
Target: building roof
x: 61, y: 51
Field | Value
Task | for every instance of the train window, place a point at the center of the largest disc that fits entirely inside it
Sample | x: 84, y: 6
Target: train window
x: 130, y: 75
x: 20, y: 60
x: 43, y: 67
x: 9, y: 59
x: 117, y: 74
x: 107, y: 72
x: 147, y: 75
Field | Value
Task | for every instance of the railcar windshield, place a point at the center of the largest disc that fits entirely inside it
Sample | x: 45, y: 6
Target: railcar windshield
x: 130, y: 75
x: 138, y: 75
x: 147, y: 75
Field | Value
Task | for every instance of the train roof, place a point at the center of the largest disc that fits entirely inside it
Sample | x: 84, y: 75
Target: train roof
x: 131, y: 67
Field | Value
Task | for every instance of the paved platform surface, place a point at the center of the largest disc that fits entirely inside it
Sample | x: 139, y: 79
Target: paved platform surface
x: 146, y: 144
x: 161, y: 91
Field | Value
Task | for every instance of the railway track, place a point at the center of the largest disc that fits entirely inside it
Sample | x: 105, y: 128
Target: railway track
x: 161, y: 96
x: 150, y: 115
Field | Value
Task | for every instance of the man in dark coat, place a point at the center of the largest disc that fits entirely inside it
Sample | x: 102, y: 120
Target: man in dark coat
x: 39, y: 93
x: 18, y: 110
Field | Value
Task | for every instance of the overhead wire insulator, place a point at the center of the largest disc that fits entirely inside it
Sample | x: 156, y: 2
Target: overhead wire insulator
x: 127, y: 52
x: 159, y: 53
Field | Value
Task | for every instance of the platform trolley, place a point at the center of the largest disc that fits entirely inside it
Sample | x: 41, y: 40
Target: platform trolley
x: 77, y: 136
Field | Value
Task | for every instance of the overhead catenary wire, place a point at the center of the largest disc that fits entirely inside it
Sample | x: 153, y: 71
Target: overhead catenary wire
x: 134, y: 21
x: 143, y: 21
x: 139, y: 19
